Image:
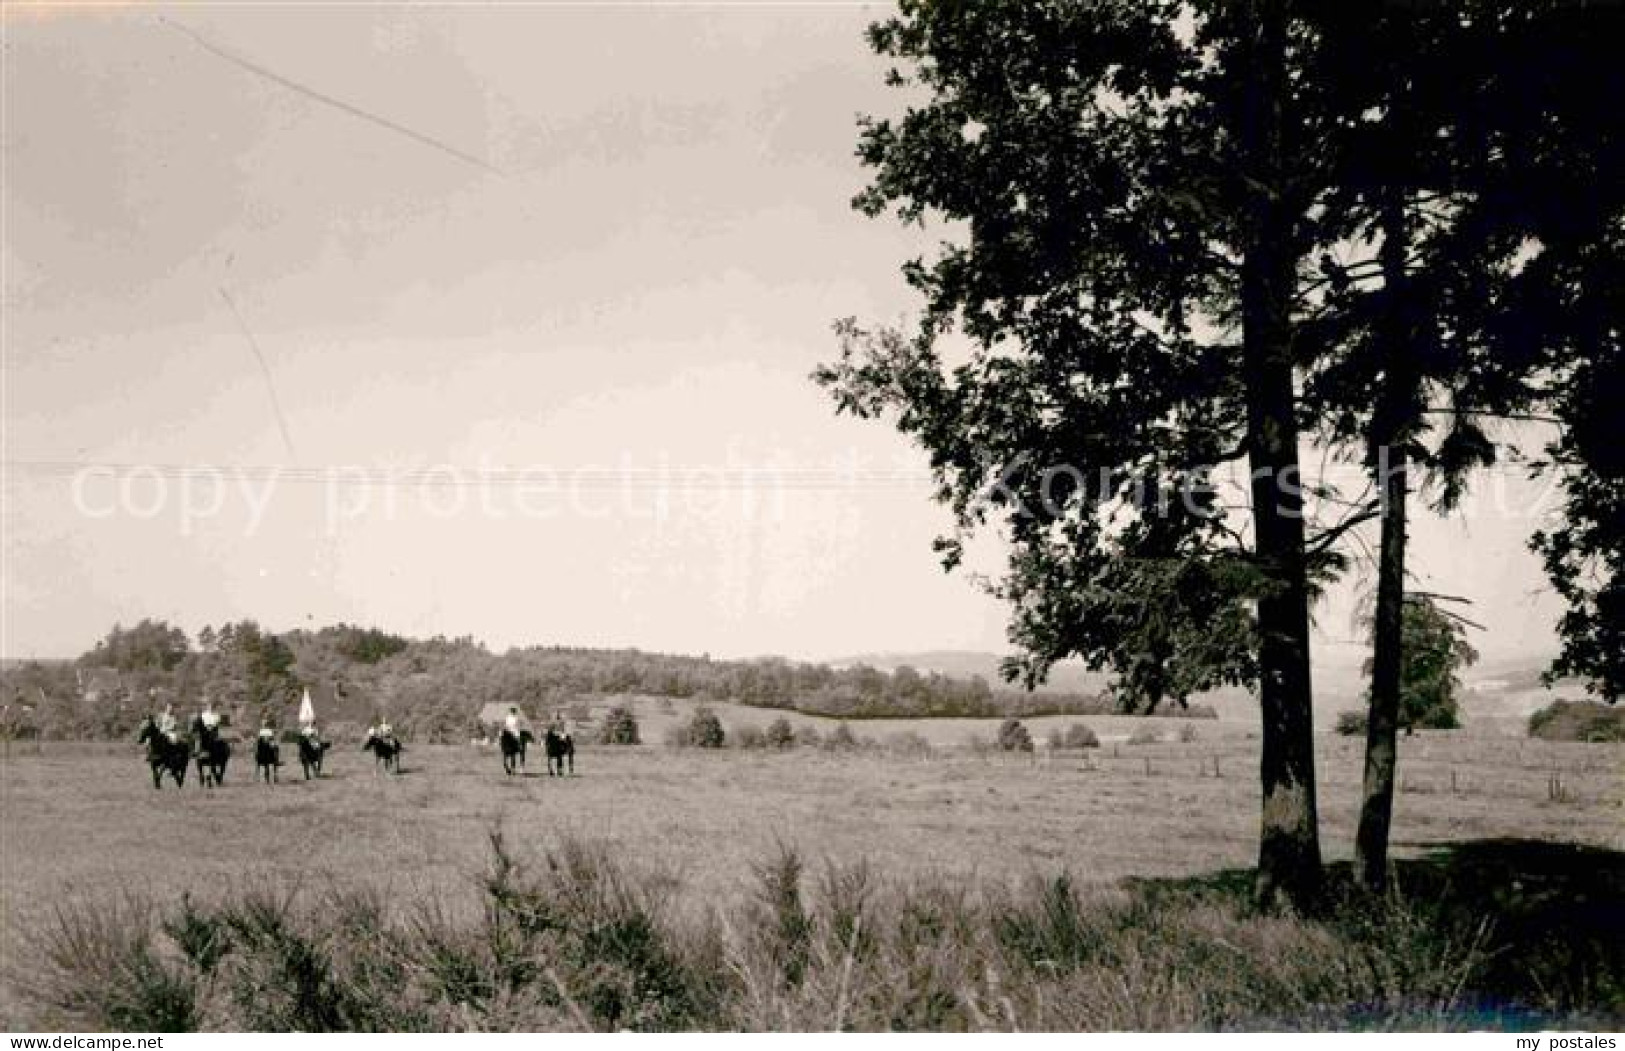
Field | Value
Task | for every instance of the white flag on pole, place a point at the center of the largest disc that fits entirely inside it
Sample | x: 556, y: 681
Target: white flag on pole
x: 307, y: 711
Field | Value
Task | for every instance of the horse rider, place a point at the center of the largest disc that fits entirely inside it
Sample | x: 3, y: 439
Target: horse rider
x: 267, y: 731
x: 383, y: 732
x: 166, y: 723
x: 514, y: 724
x: 208, y: 725
x: 308, y: 732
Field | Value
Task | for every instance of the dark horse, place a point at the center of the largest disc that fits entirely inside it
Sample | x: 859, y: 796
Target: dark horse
x: 267, y: 759
x: 513, y: 749
x: 212, y: 752
x: 386, y: 752
x: 561, y: 749
x: 163, y: 755
x: 311, y: 752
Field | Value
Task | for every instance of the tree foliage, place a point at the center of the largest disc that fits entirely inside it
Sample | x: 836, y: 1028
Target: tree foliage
x: 1436, y: 651
x: 704, y: 730
x: 151, y: 645
x: 1584, y: 553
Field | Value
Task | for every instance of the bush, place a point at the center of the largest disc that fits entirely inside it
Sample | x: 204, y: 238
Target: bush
x: 1187, y: 733
x: 1578, y: 721
x: 780, y: 734
x: 1075, y: 736
x: 841, y: 739
x: 1144, y: 735
x: 908, y: 743
x: 1352, y: 723
x: 809, y: 737
x: 1013, y: 737
x: 749, y: 737
x: 620, y: 727
x: 704, y: 730
x: 99, y: 963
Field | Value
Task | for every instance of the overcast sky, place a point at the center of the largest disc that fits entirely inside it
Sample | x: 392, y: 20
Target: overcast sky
x: 601, y: 244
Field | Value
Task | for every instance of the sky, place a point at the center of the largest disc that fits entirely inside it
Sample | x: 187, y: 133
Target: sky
x: 491, y: 321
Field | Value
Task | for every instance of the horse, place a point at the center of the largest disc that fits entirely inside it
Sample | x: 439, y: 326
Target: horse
x: 211, y: 752
x: 513, y: 749
x: 386, y: 752
x: 163, y: 755
x: 267, y: 759
x: 311, y: 752
x: 561, y: 749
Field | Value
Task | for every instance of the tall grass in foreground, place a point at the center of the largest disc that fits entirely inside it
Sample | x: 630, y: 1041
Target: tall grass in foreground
x: 575, y: 939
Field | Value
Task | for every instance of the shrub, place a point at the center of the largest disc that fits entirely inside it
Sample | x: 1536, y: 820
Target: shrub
x: 99, y: 963
x: 1352, y: 723
x: 1075, y: 736
x: 749, y: 737
x: 780, y: 734
x: 781, y: 931
x: 908, y: 743
x: 1187, y: 733
x: 704, y: 730
x: 1013, y: 737
x: 809, y: 737
x: 1144, y: 735
x: 841, y: 739
x: 620, y: 727
x: 1578, y: 721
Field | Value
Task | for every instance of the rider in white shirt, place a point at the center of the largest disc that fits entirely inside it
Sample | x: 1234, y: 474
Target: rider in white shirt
x: 513, y: 724
x: 166, y: 722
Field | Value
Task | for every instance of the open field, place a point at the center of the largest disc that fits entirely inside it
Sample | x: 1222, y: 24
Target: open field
x: 82, y: 821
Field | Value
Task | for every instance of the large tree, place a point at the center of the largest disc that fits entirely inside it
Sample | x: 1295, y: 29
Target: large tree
x: 1466, y: 141
x: 1129, y: 195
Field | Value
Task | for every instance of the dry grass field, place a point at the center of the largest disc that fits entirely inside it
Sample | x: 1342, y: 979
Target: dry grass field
x: 82, y: 822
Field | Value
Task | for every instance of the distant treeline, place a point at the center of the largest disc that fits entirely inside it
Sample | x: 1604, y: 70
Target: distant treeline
x: 433, y: 688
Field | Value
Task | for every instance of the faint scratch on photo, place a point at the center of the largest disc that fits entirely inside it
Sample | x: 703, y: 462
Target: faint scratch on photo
x: 339, y: 104
x: 265, y: 369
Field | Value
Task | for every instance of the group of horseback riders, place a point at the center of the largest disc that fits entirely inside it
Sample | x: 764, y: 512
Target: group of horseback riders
x: 168, y: 751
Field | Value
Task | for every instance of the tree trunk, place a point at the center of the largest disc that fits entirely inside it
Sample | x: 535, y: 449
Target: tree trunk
x: 1390, y: 431
x: 1289, y: 842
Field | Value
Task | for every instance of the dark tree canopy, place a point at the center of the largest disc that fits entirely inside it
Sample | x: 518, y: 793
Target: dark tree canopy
x: 1079, y: 412
x: 1584, y: 552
